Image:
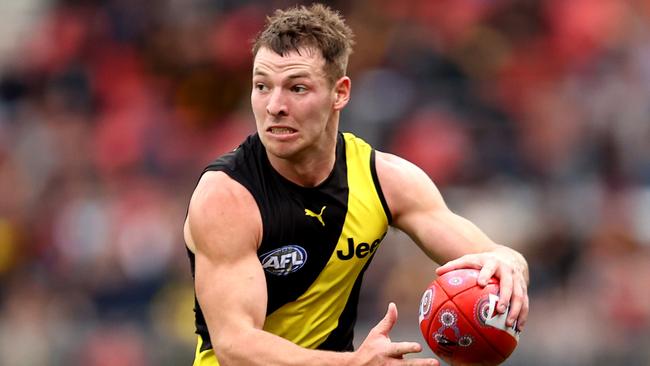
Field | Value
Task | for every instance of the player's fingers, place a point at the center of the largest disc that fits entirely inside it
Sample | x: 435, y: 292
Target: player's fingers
x: 487, y: 271
x: 505, y: 289
x: 386, y: 324
x: 419, y: 362
x: 467, y: 261
x: 398, y: 349
x: 523, y: 314
x: 516, y: 304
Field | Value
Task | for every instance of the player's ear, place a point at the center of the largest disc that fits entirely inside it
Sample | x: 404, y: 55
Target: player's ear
x: 342, y: 92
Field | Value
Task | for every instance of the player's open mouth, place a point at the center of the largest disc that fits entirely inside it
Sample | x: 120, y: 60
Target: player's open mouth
x: 281, y: 130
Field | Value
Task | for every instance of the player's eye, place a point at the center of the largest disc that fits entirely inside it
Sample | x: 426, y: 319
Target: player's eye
x: 298, y: 88
x: 261, y: 87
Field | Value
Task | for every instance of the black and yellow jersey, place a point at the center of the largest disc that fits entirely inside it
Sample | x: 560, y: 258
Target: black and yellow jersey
x: 316, y: 243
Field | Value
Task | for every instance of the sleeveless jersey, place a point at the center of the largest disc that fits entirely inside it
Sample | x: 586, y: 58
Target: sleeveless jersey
x: 316, y: 243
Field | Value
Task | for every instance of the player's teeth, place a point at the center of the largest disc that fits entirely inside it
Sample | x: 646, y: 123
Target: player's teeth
x: 281, y: 130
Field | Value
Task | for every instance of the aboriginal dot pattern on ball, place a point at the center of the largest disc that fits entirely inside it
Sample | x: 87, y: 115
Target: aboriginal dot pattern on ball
x: 455, y: 281
x: 484, y: 311
x: 465, y: 341
x: 448, y: 318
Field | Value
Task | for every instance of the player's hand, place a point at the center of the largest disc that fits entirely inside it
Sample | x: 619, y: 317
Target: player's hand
x: 377, y: 348
x: 513, y: 286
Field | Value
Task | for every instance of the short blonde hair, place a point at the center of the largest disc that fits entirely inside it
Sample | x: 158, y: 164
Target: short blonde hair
x: 318, y: 27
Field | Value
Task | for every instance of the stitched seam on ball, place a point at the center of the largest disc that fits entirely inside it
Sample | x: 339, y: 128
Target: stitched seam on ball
x: 458, y: 293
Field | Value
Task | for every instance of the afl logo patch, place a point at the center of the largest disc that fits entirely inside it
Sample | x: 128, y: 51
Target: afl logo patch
x: 284, y: 260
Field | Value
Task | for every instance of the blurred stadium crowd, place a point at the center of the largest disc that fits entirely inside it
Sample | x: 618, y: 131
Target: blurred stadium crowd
x: 533, y: 117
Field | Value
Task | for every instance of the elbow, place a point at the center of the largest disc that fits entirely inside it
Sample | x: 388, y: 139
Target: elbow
x: 228, y: 354
x: 232, y: 349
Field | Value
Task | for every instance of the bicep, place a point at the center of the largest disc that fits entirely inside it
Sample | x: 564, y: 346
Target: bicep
x: 232, y: 293
x: 420, y: 211
x: 229, y: 280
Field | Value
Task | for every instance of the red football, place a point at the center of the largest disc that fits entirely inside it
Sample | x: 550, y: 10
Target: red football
x: 458, y: 319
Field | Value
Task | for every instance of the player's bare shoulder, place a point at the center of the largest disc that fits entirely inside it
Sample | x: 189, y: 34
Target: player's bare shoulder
x: 406, y: 187
x: 216, y: 209
x: 392, y: 166
x: 399, y: 176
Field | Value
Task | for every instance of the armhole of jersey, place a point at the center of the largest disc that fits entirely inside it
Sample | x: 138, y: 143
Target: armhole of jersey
x: 380, y: 193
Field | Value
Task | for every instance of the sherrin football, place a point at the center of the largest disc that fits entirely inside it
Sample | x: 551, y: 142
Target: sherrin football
x: 459, y: 321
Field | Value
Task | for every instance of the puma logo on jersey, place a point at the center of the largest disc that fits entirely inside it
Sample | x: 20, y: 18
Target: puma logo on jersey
x: 319, y: 216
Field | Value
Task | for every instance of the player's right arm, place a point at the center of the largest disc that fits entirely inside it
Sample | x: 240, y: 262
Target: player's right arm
x: 224, y: 229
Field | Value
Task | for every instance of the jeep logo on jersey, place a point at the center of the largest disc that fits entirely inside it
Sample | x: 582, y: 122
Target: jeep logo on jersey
x: 360, y: 251
x: 284, y: 260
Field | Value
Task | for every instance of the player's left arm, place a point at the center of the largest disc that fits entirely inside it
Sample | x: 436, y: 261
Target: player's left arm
x: 418, y: 209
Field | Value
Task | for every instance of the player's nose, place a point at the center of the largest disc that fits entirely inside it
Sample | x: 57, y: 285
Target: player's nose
x: 276, y: 105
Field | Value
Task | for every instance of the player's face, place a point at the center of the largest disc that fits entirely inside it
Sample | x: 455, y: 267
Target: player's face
x: 294, y: 103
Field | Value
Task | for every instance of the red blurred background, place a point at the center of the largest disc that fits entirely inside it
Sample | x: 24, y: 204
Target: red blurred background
x: 532, y: 117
